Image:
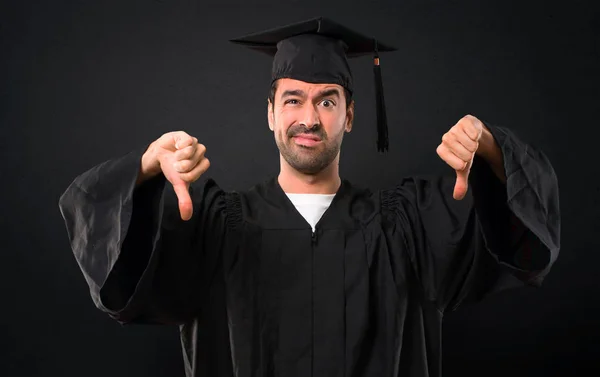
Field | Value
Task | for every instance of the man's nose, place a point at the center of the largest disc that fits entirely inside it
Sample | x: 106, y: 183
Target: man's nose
x: 310, y: 116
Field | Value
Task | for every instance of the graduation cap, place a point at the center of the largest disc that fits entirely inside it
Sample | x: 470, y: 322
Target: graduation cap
x: 317, y: 51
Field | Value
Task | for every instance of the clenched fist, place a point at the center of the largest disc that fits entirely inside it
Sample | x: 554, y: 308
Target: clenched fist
x: 181, y: 159
x: 458, y: 149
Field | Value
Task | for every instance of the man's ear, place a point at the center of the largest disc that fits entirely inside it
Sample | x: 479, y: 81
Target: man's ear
x: 270, y: 114
x: 350, y: 116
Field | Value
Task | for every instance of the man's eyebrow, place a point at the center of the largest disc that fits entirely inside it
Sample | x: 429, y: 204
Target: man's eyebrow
x: 294, y: 93
x: 329, y: 93
x: 300, y: 93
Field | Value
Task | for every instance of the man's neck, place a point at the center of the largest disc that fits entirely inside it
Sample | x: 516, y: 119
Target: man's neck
x: 294, y: 182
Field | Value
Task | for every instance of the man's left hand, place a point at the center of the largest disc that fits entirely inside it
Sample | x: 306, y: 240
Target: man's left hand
x: 458, y: 149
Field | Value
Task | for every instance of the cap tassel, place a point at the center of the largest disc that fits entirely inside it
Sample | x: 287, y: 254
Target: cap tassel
x: 382, y: 129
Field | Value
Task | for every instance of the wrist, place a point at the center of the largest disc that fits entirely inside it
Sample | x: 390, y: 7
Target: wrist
x: 490, y: 151
x: 150, y: 166
x: 486, y: 145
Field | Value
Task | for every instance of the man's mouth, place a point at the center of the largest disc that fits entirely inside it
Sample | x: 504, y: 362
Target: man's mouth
x: 306, y: 140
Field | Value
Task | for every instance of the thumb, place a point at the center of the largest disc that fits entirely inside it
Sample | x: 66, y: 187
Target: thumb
x: 185, y: 202
x: 462, y: 184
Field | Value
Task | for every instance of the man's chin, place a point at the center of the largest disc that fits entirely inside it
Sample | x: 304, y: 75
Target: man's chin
x: 308, y: 166
x: 308, y: 170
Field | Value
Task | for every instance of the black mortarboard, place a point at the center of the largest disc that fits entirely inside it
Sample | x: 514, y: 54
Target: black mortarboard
x: 316, y: 51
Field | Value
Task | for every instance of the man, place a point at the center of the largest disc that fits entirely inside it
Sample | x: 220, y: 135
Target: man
x: 306, y: 274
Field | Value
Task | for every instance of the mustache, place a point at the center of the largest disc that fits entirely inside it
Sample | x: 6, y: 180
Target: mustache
x: 300, y: 129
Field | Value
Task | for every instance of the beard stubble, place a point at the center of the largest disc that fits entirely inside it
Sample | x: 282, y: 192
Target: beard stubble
x: 309, y: 160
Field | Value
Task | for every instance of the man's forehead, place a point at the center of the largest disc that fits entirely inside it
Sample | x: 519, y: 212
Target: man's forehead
x: 286, y: 84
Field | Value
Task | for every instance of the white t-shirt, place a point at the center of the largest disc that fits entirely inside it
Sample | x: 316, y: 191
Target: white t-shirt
x: 311, y: 206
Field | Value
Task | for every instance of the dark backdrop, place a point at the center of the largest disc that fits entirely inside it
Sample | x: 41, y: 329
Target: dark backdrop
x: 85, y: 81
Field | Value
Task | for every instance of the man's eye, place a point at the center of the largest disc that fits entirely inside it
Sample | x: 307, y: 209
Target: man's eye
x: 292, y: 101
x: 328, y: 103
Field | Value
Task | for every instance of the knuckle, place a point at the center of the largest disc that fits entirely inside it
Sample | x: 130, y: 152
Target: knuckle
x: 188, y: 176
x: 439, y: 149
x: 187, y: 165
x: 474, y: 147
x: 184, y: 177
x: 201, y: 148
x: 189, y: 151
x: 177, y: 166
x: 460, y: 149
x: 202, y: 167
x: 182, y: 136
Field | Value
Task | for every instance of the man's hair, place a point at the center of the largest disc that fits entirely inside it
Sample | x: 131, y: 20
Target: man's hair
x: 347, y: 94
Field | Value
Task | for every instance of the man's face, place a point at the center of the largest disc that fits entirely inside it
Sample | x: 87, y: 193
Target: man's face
x: 309, y: 121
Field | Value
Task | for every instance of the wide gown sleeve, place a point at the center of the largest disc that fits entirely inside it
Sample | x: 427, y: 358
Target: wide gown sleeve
x: 142, y: 263
x: 499, y: 236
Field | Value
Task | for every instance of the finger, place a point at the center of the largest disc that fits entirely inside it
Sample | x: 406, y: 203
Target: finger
x: 185, y: 166
x: 471, y: 126
x: 186, y: 153
x: 197, y: 171
x: 450, y: 140
x: 450, y: 158
x: 462, y: 184
x: 466, y: 141
x: 184, y: 200
x: 182, y: 140
x: 200, y: 151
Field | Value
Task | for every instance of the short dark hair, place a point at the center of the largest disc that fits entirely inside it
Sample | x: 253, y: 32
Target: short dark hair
x: 347, y: 94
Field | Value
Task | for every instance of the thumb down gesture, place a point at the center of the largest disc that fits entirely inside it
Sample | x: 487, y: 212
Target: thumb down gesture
x: 458, y: 149
x: 182, y: 161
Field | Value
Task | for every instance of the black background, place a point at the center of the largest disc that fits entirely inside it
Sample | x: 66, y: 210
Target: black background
x: 85, y: 81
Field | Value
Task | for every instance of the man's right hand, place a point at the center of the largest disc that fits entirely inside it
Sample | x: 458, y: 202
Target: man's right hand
x: 181, y: 160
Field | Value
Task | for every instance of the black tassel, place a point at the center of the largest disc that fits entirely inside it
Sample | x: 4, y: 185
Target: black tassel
x: 382, y: 128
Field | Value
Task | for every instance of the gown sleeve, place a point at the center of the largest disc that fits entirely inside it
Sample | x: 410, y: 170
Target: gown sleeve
x: 499, y: 236
x: 142, y: 263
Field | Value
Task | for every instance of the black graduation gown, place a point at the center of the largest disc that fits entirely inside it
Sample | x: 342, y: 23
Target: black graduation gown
x: 257, y: 293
